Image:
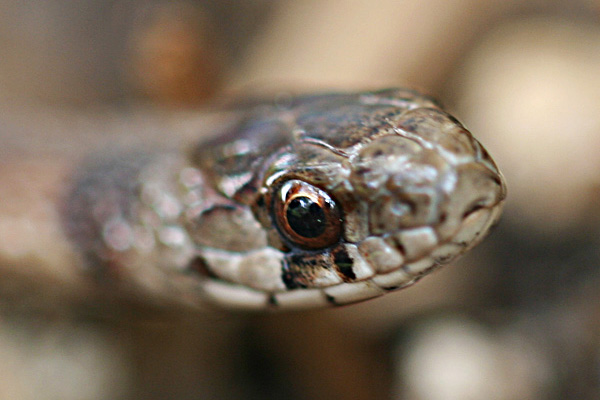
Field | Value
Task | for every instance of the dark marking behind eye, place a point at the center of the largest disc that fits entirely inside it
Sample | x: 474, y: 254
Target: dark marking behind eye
x: 260, y: 201
x: 344, y: 264
x: 289, y: 278
x: 289, y: 281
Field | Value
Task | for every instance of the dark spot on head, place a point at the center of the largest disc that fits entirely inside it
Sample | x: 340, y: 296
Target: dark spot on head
x: 344, y: 263
x: 289, y: 278
x: 296, y: 258
x: 260, y: 201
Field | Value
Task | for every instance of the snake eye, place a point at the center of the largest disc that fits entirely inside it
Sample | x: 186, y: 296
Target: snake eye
x: 306, y: 215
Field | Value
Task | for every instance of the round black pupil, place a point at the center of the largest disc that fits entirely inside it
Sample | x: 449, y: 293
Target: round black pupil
x: 306, y: 217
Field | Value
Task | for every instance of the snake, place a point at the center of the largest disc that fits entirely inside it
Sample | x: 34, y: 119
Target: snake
x: 298, y: 202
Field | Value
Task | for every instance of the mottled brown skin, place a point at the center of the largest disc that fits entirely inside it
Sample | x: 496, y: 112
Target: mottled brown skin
x: 402, y: 173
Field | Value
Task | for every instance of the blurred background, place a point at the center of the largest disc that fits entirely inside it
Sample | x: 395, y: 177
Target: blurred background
x: 517, y: 318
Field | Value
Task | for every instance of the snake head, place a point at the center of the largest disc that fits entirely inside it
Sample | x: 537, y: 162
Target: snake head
x: 358, y: 195
x: 324, y: 200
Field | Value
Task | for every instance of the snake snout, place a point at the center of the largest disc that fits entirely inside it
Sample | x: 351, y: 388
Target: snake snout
x: 402, y: 182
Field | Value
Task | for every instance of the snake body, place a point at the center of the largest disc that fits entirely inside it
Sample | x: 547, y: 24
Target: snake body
x: 321, y: 200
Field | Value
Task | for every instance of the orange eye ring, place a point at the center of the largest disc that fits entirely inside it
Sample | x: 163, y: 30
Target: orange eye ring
x: 307, y: 216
